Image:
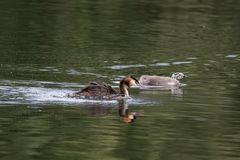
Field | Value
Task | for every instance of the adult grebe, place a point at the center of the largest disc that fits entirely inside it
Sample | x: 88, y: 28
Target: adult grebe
x: 162, y: 80
x: 101, y: 89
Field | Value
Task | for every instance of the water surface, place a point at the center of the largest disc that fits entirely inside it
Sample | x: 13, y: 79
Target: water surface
x: 50, y: 49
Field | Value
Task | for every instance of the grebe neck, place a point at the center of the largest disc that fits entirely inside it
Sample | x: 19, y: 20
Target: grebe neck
x: 123, y: 89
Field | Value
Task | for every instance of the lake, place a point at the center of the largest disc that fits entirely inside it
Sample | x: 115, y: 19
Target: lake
x: 50, y: 49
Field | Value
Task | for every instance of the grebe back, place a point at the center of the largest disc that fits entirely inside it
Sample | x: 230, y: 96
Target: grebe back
x: 101, y: 89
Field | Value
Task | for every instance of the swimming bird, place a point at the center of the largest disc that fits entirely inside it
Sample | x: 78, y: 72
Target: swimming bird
x: 147, y: 80
x: 101, y: 89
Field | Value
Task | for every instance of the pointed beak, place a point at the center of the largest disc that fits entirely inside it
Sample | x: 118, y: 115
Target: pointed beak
x: 137, y: 82
x: 133, y: 82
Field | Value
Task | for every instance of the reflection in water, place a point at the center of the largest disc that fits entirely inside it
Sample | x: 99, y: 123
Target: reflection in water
x: 123, y: 111
x: 84, y: 40
x: 175, y: 90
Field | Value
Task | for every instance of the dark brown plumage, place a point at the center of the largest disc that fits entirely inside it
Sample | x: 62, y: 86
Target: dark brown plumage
x: 99, y: 89
x: 96, y: 89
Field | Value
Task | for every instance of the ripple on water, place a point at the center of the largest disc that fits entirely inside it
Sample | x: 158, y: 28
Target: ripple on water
x: 192, y: 58
x: 38, y: 95
x: 231, y: 56
x: 75, y: 72
x: 181, y: 62
x: 37, y: 83
x: 160, y: 64
x: 115, y: 67
x: 42, y: 95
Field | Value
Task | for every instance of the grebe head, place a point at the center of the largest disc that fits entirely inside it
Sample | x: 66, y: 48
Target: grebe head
x: 130, y: 81
x: 178, y: 75
x: 127, y: 82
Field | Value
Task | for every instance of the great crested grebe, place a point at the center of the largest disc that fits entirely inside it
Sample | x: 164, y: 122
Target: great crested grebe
x: 162, y: 80
x: 101, y: 89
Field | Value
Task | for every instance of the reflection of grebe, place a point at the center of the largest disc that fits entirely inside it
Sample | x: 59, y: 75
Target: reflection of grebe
x: 161, y: 80
x: 127, y: 117
x: 96, y: 89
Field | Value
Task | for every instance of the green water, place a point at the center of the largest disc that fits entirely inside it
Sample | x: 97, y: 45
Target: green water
x: 52, y: 48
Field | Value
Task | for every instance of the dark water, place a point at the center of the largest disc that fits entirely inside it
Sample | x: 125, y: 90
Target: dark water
x: 51, y: 48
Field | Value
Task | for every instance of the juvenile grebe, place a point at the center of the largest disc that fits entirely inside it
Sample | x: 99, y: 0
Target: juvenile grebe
x: 162, y: 80
x: 101, y: 89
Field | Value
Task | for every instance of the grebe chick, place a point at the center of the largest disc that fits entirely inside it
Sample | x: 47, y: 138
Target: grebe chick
x: 101, y: 89
x: 162, y: 80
